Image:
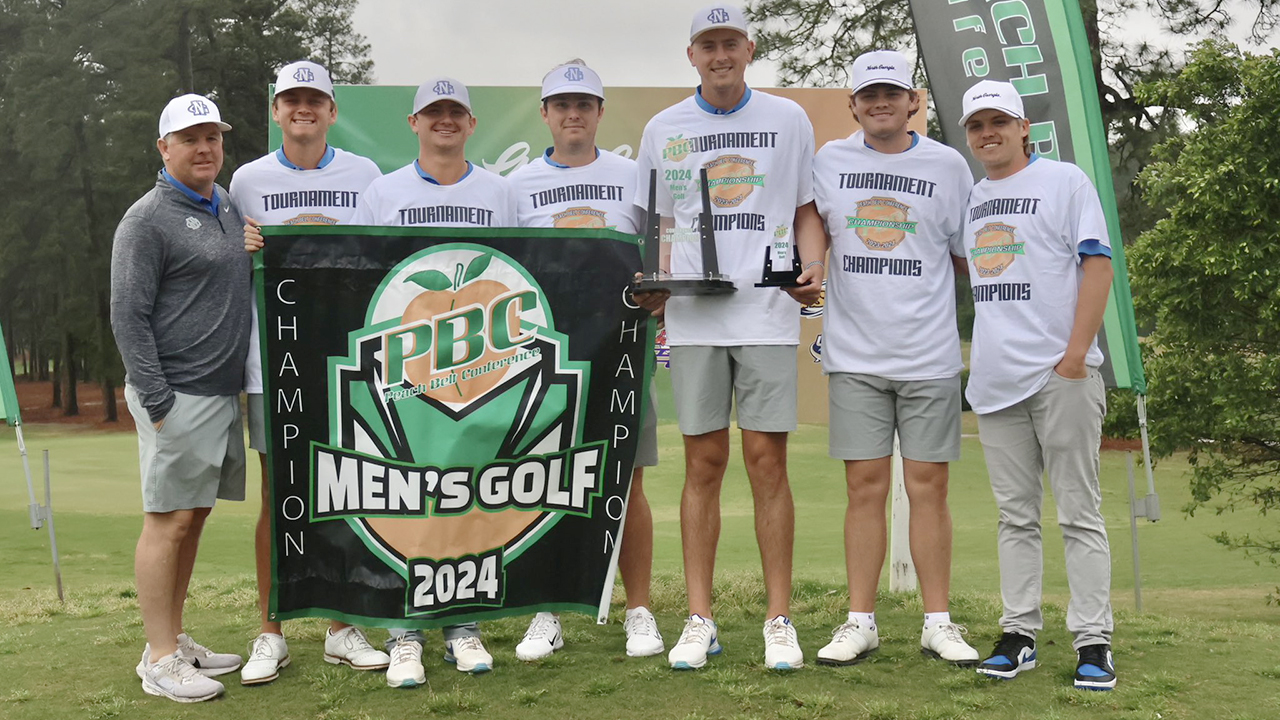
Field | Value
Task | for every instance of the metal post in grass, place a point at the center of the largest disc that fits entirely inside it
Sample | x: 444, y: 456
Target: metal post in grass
x: 48, y: 516
x: 902, y: 571
x: 9, y: 414
x: 1149, y: 508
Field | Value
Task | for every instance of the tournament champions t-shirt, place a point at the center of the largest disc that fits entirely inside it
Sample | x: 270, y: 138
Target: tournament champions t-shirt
x: 759, y: 161
x: 894, y: 221
x: 596, y: 195
x: 1022, y: 237
x: 408, y: 197
x: 274, y: 191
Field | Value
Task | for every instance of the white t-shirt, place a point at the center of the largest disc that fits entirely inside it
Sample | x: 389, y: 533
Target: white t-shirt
x: 405, y: 198
x: 1022, y: 237
x: 273, y: 191
x: 597, y: 195
x: 759, y: 161
x: 894, y: 222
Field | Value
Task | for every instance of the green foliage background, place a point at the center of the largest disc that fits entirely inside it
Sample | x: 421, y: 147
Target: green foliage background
x: 1206, y: 277
x: 81, y: 88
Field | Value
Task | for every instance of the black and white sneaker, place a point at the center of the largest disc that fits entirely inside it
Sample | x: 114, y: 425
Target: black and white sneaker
x: 1095, y: 669
x: 1013, y: 654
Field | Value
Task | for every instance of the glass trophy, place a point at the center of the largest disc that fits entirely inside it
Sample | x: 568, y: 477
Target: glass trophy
x: 710, y: 281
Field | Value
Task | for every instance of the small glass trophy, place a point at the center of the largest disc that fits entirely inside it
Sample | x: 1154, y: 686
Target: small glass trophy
x: 710, y: 281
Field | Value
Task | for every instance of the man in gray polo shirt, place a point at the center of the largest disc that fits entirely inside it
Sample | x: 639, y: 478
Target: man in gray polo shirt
x: 180, y: 314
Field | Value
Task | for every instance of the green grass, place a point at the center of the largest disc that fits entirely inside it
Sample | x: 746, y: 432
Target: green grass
x: 1206, y: 647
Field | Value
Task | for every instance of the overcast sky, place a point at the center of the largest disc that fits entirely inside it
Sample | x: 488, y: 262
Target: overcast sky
x: 514, y: 42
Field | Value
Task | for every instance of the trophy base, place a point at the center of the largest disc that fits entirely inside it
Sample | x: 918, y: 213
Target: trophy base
x: 685, y: 285
x: 780, y: 280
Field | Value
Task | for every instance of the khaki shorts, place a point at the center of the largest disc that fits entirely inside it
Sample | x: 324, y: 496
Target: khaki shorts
x: 256, y: 412
x: 707, y: 381
x: 865, y: 409
x: 197, y: 455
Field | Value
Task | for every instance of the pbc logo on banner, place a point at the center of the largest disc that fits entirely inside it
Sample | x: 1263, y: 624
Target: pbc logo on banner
x: 199, y: 108
x: 443, y: 88
x: 719, y: 15
x: 459, y: 363
x: 573, y: 74
x: 304, y: 75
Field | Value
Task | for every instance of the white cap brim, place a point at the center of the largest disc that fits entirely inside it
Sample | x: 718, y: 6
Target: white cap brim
x: 883, y: 81
x: 224, y: 127
x: 974, y: 111
x: 574, y: 89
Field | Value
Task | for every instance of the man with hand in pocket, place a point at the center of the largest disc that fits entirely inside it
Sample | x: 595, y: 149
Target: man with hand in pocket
x: 180, y: 315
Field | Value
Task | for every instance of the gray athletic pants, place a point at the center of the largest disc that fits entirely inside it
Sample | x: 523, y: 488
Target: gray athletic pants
x: 1058, y: 429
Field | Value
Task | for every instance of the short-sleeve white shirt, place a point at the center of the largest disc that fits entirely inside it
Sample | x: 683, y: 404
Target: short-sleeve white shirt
x: 759, y: 161
x: 404, y: 198
x: 894, y: 221
x: 273, y: 191
x: 1022, y: 237
x: 599, y: 194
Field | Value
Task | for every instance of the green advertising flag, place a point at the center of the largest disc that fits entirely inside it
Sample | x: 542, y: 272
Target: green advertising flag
x: 8, y: 395
x: 1040, y: 47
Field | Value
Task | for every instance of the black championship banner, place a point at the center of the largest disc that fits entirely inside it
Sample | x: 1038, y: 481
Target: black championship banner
x: 452, y: 417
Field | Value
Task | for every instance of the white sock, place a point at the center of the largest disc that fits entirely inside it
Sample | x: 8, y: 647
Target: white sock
x: 864, y: 620
x: 931, y: 619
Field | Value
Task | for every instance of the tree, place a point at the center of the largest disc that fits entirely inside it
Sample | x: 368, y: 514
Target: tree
x: 1206, y: 278
x: 81, y: 85
x: 816, y: 41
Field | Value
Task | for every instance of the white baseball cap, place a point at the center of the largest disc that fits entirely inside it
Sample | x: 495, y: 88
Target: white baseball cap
x: 188, y: 110
x: 714, y: 17
x: 304, y: 74
x: 992, y: 95
x: 572, y: 78
x: 882, y: 67
x: 440, y: 88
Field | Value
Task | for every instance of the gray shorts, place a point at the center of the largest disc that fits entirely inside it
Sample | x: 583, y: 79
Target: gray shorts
x: 257, y: 412
x: 707, y: 380
x: 647, y: 445
x: 865, y: 409
x: 197, y: 456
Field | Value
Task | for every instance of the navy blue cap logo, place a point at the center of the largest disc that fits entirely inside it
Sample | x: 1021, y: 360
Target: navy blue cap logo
x: 304, y: 75
x: 443, y: 88
x: 719, y: 15
x: 198, y: 108
x: 574, y: 74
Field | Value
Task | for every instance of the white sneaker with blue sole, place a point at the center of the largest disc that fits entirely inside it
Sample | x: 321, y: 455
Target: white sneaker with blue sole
x: 696, y: 642
x: 469, y: 655
x: 781, y: 647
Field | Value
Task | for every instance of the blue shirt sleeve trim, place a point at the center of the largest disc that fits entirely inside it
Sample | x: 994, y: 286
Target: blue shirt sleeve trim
x: 1093, y: 247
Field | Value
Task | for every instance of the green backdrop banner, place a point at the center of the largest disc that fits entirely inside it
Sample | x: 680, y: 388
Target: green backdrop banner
x: 1040, y: 46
